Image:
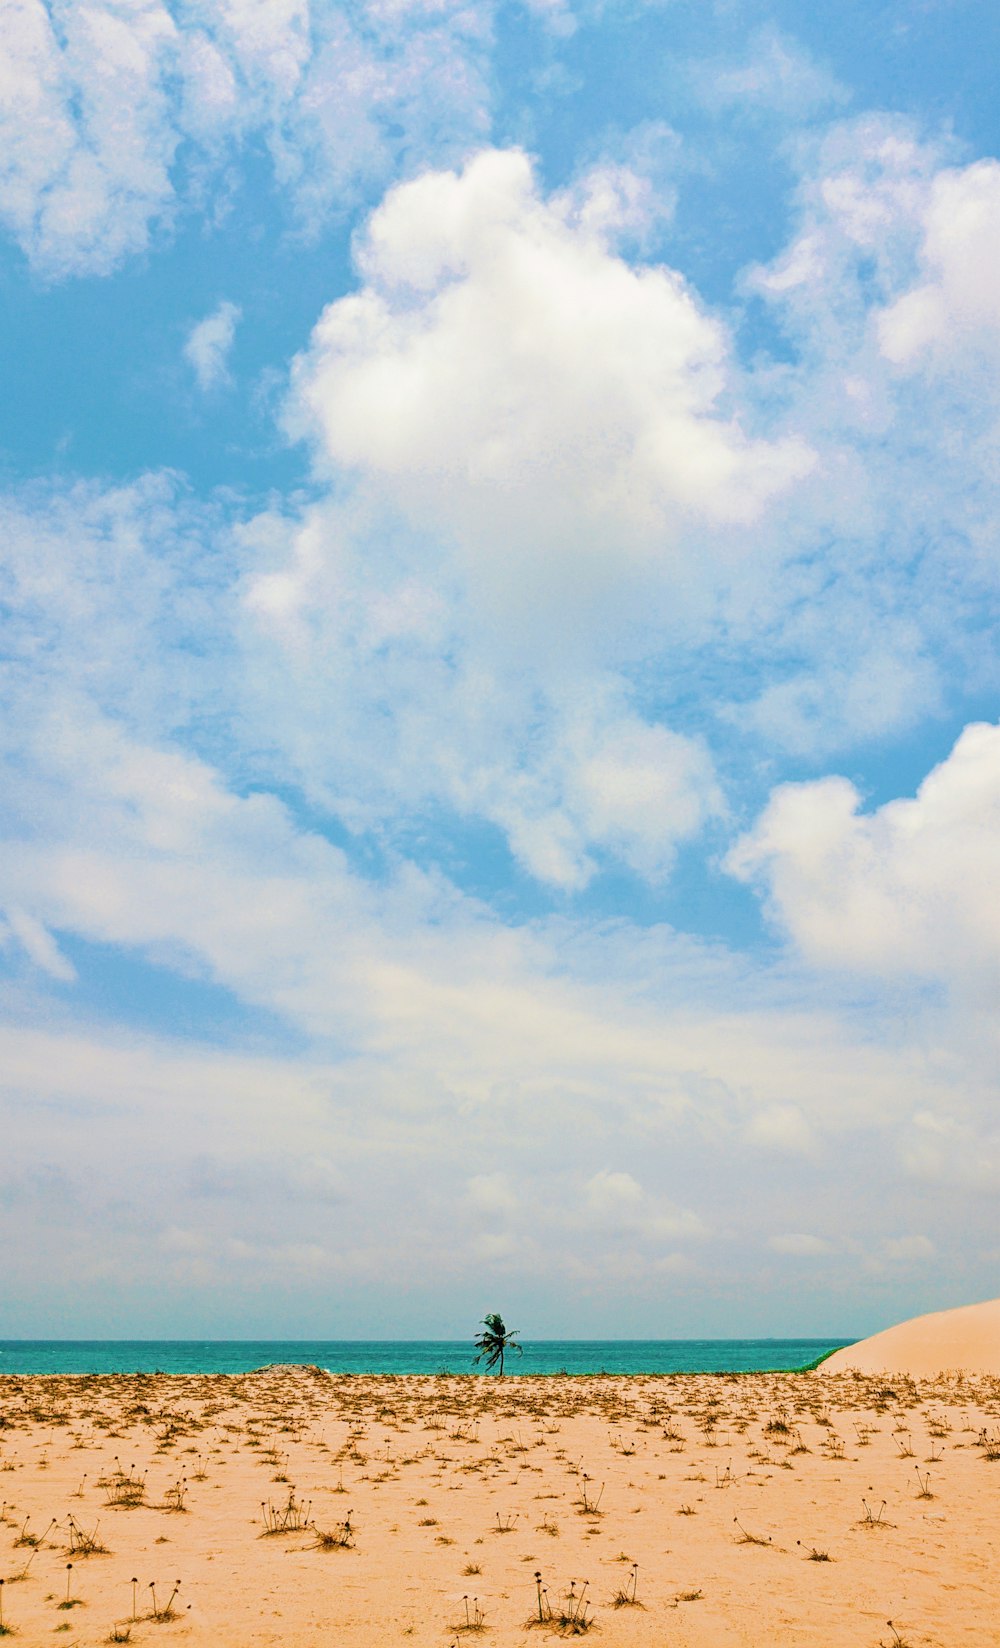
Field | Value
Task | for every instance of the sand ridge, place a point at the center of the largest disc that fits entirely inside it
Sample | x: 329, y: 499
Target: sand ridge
x: 291, y: 1507
x: 964, y: 1339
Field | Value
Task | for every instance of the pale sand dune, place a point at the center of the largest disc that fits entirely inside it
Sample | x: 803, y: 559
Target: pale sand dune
x: 763, y: 1511
x: 965, y: 1340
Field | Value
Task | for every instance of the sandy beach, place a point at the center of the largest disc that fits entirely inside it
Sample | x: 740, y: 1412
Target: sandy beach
x: 293, y: 1507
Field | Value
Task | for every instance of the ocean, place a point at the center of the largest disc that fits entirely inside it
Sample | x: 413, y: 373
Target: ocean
x: 402, y: 1356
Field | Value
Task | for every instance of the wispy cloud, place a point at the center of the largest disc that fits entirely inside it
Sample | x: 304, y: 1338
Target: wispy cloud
x: 776, y: 76
x: 38, y: 944
x: 208, y: 345
x: 101, y: 105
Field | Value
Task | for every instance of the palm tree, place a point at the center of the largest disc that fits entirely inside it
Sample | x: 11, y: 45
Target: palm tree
x: 494, y: 1342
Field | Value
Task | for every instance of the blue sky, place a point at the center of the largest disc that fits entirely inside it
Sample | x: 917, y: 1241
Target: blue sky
x: 501, y: 766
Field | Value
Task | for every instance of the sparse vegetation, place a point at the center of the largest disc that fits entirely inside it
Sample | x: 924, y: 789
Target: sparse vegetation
x: 816, y: 1555
x: 746, y: 1538
x: 989, y: 1442
x: 571, y: 1616
x: 163, y: 1615
x: 125, y: 1490
x: 338, y: 1538
x: 474, y: 1620
x: 898, y: 1640
x: 82, y: 1543
x: 625, y: 1596
x: 290, y: 1518
x: 518, y: 1446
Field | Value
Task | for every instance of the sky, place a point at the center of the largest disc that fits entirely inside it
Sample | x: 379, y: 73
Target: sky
x: 498, y: 603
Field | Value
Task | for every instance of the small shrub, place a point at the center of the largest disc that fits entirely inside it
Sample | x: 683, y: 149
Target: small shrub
x: 338, y: 1538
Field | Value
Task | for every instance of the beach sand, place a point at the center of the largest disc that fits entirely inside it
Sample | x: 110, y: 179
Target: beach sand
x: 760, y: 1509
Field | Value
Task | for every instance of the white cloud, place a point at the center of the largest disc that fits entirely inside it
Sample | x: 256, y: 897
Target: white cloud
x: 39, y: 944
x: 911, y: 889
x: 619, y: 1205
x: 630, y: 193
x: 114, y: 115
x: 516, y: 384
x: 549, y: 440
x: 784, y: 1128
x: 850, y: 692
x: 464, y: 632
x: 642, y: 789
x: 885, y: 291
x: 512, y: 1064
x: 491, y: 1247
x: 567, y: 768
x: 905, y: 1249
x: 797, y: 1245
x: 957, y: 1149
x: 603, y: 781
x: 864, y: 187
x: 955, y: 308
x: 492, y: 1195
x: 269, y: 41
x: 86, y: 143
x: 558, y: 15
x: 591, y: 481
x: 208, y: 344
x: 777, y: 76
x: 431, y: 712
x: 891, y: 543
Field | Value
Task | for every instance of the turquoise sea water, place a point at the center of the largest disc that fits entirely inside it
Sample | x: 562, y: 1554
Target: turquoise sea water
x: 397, y: 1356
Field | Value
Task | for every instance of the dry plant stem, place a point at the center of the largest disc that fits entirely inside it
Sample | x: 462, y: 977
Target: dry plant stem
x: 589, y: 1506
x: 474, y: 1620
x: 626, y: 1597
x: 290, y: 1518
x: 748, y: 1538
x: 83, y: 1544
x: 898, y: 1641
x: 161, y: 1615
